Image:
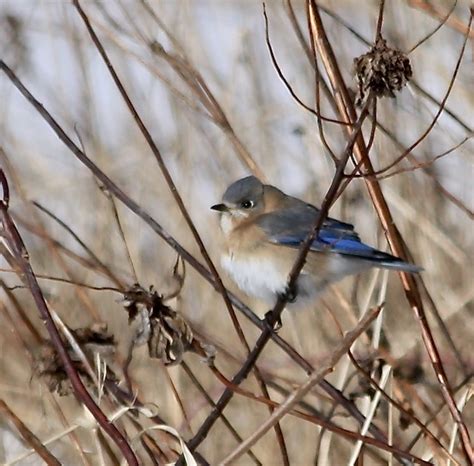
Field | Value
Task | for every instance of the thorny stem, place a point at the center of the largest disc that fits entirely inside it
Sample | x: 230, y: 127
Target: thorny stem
x: 347, y: 112
x: 18, y: 250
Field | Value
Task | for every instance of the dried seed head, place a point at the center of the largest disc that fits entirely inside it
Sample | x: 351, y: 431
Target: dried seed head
x: 49, y: 367
x: 170, y: 338
x: 381, y: 71
x: 95, y: 339
x: 163, y: 329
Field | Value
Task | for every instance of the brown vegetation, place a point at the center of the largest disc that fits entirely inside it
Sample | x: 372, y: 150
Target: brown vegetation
x: 121, y: 339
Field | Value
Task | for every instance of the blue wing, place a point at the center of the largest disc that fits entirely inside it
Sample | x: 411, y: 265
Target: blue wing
x: 290, y: 227
x: 331, y: 241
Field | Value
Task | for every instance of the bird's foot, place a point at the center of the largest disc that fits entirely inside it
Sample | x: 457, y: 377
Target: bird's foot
x: 270, y: 321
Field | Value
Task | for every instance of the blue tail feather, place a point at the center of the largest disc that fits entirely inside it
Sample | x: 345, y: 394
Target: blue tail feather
x: 352, y: 246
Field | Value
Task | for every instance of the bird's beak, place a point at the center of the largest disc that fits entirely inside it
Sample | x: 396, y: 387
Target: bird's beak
x: 220, y: 208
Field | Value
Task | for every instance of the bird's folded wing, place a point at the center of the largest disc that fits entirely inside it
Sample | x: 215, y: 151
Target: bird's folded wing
x: 290, y: 227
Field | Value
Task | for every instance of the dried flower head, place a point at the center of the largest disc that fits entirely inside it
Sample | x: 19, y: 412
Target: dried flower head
x: 49, y: 367
x: 381, y: 71
x: 163, y: 329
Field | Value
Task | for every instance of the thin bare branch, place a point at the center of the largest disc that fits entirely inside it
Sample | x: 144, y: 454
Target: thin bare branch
x: 378, y: 30
x: 429, y: 8
x: 62, y: 280
x: 285, y: 81
x: 224, y: 419
x: 158, y: 229
x: 413, y: 82
x: 318, y: 419
x: 398, y: 405
x: 86, y: 248
x: 436, y: 29
x: 324, y: 368
x: 28, y: 436
x: 438, y: 113
x: 395, y: 240
x: 417, y: 165
x: 274, y: 316
x: 20, y: 254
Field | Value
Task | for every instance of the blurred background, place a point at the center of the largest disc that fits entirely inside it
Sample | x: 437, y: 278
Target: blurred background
x: 244, y: 121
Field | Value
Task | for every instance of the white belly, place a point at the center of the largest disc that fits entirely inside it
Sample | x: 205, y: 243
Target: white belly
x: 265, y: 278
x: 257, y: 277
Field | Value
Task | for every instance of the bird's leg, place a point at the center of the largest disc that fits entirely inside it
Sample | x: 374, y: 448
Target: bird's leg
x: 290, y: 293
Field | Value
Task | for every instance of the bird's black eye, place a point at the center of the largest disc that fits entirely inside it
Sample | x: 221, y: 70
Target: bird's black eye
x: 246, y: 204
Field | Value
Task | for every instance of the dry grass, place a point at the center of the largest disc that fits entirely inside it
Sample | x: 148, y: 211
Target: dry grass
x: 201, y: 78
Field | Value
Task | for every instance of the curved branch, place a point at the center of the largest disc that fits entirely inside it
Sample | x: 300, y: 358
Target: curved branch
x: 18, y: 250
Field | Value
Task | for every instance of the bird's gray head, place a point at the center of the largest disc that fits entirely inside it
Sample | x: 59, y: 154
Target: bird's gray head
x: 242, y: 198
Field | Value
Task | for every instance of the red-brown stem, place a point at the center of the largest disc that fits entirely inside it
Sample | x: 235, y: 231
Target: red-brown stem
x: 179, y: 201
x: 116, y: 191
x: 347, y: 112
x: 20, y: 253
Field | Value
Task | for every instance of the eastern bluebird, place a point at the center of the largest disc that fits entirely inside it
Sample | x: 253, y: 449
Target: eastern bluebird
x: 264, y: 228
